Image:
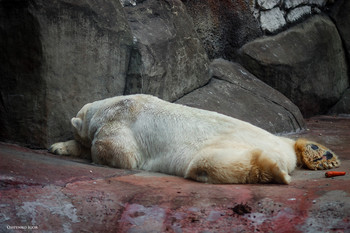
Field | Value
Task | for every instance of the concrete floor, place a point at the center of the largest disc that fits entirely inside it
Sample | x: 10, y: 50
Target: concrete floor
x: 41, y: 192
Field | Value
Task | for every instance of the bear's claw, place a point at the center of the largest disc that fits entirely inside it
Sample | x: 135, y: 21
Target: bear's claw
x: 58, y: 149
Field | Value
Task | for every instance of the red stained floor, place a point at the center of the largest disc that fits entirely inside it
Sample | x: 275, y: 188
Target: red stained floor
x: 43, y: 192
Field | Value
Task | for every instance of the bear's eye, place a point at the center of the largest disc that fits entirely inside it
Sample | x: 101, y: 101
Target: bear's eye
x: 314, y: 147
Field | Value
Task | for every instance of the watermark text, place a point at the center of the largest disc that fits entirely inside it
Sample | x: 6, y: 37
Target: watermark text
x: 22, y: 227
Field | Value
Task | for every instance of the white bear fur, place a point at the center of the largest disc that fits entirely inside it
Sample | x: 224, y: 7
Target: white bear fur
x: 144, y: 132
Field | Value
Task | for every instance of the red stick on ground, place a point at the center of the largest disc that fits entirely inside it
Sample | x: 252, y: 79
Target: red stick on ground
x: 334, y: 173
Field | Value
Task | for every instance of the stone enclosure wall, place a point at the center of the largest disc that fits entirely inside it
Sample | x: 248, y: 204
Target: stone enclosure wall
x: 275, y: 15
x: 267, y: 62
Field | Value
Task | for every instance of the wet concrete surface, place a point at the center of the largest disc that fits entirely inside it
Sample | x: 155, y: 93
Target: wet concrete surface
x: 41, y: 192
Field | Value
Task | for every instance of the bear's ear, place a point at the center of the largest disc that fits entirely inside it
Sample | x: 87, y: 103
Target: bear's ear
x: 77, y: 123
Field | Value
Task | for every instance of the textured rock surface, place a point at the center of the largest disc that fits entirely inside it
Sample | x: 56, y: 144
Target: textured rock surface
x: 277, y: 15
x: 306, y: 63
x: 294, y: 3
x: 167, y: 59
x: 272, y: 20
x: 235, y: 92
x: 60, y: 194
x: 297, y: 13
x: 57, y: 56
x: 340, y: 14
x: 343, y: 105
x: 267, y: 4
x: 223, y: 26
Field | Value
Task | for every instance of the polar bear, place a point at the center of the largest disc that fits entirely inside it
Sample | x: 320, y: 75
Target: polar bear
x: 145, y: 132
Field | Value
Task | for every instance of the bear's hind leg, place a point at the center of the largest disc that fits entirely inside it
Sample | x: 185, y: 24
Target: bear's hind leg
x: 265, y: 170
x: 250, y: 167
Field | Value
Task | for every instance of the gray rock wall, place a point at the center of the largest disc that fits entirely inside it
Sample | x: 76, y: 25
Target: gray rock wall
x: 167, y: 58
x: 22, y: 106
x: 223, y: 26
x: 235, y: 92
x: 276, y: 15
x: 58, y: 55
x: 341, y: 17
x: 306, y: 63
x: 342, y: 107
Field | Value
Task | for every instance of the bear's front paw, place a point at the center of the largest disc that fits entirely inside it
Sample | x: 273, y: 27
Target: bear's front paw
x: 315, y: 156
x: 327, y: 160
x: 59, y: 148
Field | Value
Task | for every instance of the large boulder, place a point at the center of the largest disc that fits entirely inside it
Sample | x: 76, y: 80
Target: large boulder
x: 235, y: 92
x: 306, y: 63
x: 55, y: 57
x: 340, y: 15
x: 343, y: 105
x: 167, y: 59
x: 223, y: 26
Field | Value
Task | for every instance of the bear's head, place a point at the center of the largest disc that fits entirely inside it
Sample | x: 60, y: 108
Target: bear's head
x: 81, y: 124
x: 94, y: 116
